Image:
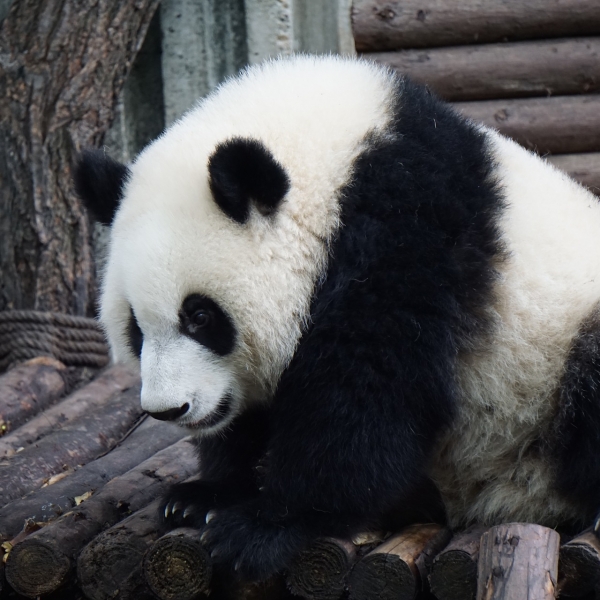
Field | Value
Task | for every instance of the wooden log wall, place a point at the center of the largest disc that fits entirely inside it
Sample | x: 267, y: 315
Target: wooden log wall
x: 529, y: 69
x: 92, y: 531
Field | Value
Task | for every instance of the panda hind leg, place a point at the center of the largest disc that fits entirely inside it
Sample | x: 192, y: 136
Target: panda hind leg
x: 575, y: 439
x: 230, y: 468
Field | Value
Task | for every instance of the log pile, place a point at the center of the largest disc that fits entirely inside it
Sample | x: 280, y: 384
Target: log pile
x: 529, y: 69
x: 79, y: 519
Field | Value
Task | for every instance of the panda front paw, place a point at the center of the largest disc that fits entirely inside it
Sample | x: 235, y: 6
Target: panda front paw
x: 186, y: 504
x: 250, y: 543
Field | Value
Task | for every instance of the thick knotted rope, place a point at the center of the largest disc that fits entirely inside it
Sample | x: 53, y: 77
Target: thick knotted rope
x: 75, y: 341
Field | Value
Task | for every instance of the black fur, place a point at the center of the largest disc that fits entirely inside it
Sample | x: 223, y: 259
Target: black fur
x: 372, y: 383
x: 136, y: 337
x: 244, y: 171
x: 218, y: 334
x: 99, y: 182
x: 575, y: 442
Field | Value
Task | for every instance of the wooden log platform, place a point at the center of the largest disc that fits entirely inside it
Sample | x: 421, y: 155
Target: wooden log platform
x: 51, y: 501
x: 28, y: 389
x: 392, y: 24
x: 518, y: 561
x: 556, y: 125
x: 77, y: 443
x: 89, y: 397
x: 398, y: 568
x: 114, y: 558
x: 44, y: 561
x: 538, y: 68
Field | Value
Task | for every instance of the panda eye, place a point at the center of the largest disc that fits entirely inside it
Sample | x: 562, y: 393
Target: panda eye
x: 200, y: 318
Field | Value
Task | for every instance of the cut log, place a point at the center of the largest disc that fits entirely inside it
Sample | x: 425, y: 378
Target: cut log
x: 44, y: 561
x: 544, y: 68
x: 88, y: 398
x: 518, y: 561
x: 112, y: 557
x: 579, y: 566
x: 28, y: 389
x: 392, y: 24
x: 454, y: 570
x: 584, y: 168
x: 78, y: 443
x: 557, y: 125
x: 320, y: 572
x: 177, y: 567
x: 51, y: 501
x: 398, y: 568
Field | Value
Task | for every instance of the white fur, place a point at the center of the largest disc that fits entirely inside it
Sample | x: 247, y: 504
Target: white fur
x: 488, y: 465
x: 169, y: 238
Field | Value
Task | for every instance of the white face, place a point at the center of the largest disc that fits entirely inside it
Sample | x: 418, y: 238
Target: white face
x: 171, y: 242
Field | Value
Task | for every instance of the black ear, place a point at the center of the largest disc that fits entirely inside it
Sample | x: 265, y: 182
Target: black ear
x: 243, y: 170
x: 99, y: 182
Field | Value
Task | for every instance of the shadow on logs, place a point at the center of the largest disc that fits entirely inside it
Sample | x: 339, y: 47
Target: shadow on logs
x: 454, y: 570
x: 579, y: 566
x: 397, y: 569
x: 320, y: 572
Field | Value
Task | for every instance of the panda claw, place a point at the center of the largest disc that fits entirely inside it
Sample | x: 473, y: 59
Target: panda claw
x: 188, y: 511
x: 177, y: 506
x: 597, y: 526
x: 210, y: 515
x: 167, y: 510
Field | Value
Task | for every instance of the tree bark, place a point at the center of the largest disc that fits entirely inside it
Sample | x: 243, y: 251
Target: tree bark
x: 62, y: 66
x: 558, y: 125
x: 541, y: 68
x: 518, y: 561
x: 45, y: 560
x: 398, y: 568
x: 392, y: 24
x: 454, y: 570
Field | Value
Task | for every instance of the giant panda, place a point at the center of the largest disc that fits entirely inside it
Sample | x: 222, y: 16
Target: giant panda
x: 359, y: 302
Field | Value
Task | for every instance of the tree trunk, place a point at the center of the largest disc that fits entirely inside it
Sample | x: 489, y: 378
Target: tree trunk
x: 63, y: 64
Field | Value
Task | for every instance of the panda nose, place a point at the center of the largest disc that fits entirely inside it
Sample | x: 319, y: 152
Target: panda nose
x: 171, y: 414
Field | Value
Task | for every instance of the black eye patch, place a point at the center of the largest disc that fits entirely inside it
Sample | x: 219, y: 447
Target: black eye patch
x: 136, y: 337
x: 203, y: 320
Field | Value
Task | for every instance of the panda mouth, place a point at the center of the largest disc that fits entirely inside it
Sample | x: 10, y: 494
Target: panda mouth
x: 215, y: 417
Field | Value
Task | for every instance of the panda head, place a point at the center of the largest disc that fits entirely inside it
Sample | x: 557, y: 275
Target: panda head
x: 166, y: 300
x: 220, y: 232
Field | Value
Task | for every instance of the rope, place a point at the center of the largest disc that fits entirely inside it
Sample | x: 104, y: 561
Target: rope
x: 75, y: 341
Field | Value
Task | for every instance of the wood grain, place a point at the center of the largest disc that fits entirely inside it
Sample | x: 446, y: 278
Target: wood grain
x: 540, y: 68
x: 391, y: 24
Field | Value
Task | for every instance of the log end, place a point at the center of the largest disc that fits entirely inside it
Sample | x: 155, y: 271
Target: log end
x: 177, y: 567
x: 320, y: 572
x: 454, y: 576
x: 384, y: 576
x: 34, y: 569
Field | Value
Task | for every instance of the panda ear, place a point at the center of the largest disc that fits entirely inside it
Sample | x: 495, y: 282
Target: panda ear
x: 243, y: 171
x: 99, y: 182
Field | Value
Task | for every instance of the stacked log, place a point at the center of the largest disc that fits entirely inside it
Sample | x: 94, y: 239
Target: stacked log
x: 529, y: 69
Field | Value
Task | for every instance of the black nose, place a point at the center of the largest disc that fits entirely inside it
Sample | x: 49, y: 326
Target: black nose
x: 171, y: 414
